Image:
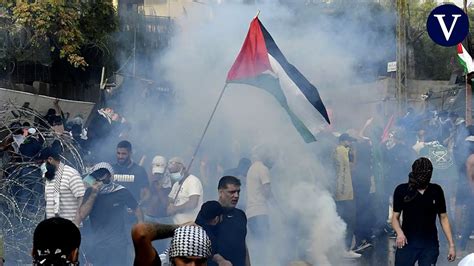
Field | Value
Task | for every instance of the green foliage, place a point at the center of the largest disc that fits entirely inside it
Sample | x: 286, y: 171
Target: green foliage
x: 67, y: 27
x: 432, y: 61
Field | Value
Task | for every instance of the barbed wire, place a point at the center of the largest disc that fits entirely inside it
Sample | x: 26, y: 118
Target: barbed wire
x: 22, y: 202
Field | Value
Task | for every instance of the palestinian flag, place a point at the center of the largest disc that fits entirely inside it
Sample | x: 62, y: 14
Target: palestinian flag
x: 465, y: 59
x: 260, y: 63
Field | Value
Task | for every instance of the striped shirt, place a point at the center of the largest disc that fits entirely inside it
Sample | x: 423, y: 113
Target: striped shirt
x: 70, y: 190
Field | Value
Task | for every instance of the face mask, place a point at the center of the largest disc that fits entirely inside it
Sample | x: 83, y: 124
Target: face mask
x: 43, y: 169
x: 175, y: 176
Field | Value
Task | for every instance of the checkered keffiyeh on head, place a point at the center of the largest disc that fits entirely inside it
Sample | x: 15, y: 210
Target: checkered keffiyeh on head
x: 190, y: 241
x: 103, y: 165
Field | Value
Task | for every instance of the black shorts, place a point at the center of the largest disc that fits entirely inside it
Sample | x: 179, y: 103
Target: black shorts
x: 407, y: 256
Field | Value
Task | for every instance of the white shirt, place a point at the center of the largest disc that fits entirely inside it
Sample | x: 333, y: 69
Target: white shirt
x: 191, y: 186
x: 257, y: 176
x: 70, y: 190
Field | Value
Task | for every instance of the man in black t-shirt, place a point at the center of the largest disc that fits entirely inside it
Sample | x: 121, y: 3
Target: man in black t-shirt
x: 420, y: 201
x: 232, y: 231
x: 106, y: 203
x: 129, y: 174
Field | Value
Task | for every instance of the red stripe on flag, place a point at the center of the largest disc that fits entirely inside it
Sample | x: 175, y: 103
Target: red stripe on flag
x: 253, y: 57
x: 459, y: 48
x: 387, y: 128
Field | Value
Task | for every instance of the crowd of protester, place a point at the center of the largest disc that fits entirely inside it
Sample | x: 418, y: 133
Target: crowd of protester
x: 371, y: 163
x: 108, y: 199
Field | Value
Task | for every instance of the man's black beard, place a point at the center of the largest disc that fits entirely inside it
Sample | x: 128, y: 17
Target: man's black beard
x: 51, y: 171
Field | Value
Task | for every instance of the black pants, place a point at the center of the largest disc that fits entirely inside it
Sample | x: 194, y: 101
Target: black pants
x: 347, y: 211
x: 407, y: 256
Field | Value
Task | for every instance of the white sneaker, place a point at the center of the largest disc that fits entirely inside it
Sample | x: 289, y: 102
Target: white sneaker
x: 351, y: 255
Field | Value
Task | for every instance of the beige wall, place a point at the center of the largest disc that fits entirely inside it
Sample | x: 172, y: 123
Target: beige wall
x: 173, y: 8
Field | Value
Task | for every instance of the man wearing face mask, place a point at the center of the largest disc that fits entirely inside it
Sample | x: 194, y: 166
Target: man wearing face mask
x: 186, y: 194
x: 64, y: 188
x: 106, y: 203
x: 156, y: 201
x: 420, y: 201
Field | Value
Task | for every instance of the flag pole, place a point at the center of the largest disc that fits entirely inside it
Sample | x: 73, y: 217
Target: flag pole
x: 207, y: 126
x: 468, y: 99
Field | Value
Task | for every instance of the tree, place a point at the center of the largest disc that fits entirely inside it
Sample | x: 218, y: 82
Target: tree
x: 66, y: 28
x: 428, y: 59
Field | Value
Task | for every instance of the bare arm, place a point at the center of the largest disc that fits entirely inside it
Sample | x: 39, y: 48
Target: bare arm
x: 268, y: 194
x: 88, y: 201
x: 139, y: 214
x: 401, y: 238
x: 77, y: 220
x: 192, y: 203
x: 443, y: 219
x: 142, y: 235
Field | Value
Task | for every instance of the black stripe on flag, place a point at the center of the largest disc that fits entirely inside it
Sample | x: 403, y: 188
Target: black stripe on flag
x: 309, y: 91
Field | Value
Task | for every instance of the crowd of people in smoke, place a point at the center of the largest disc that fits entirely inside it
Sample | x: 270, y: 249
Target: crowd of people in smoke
x: 110, y: 199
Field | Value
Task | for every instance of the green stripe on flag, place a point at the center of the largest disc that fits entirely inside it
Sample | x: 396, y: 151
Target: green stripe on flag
x: 463, y: 63
x: 272, y: 86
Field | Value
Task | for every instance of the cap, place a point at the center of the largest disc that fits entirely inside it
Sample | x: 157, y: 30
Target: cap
x: 48, y: 152
x: 176, y: 160
x: 210, y: 210
x: 190, y: 241
x: 158, y: 165
x: 346, y: 137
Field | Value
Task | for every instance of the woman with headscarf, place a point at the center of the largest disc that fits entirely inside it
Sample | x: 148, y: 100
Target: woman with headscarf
x: 420, y: 202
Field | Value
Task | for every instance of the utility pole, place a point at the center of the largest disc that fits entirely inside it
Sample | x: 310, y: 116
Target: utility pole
x: 402, y: 56
x: 468, y: 79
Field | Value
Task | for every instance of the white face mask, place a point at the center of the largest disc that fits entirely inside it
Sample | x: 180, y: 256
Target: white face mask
x: 176, y: 176
x: 43, y: 169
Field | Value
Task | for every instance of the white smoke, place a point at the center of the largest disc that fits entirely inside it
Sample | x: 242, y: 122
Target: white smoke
x: 325, y: 50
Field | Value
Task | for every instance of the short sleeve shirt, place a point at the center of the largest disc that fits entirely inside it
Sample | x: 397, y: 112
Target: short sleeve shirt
x: 133, y: 177
x: 419, y: 214
x: 257, y: 176
x: 70, y: 190
x: 191, y: 187
x: 231, y: 235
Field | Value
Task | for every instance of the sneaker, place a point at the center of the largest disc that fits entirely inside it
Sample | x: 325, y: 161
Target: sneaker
x: 351, y: 255
x: 363, y: 245
x: 471, y: 237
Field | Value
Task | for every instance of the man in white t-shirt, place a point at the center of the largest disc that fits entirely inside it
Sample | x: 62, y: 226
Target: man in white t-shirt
x: 186, y: 195
x: 259, y: 193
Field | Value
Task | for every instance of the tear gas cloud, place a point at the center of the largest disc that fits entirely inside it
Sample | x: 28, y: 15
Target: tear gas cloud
x: 328, y: 49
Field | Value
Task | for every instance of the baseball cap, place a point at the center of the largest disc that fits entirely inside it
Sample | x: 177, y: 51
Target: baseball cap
x: 176, y: 160
x: 158, y: 165
x: 211, y: 209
